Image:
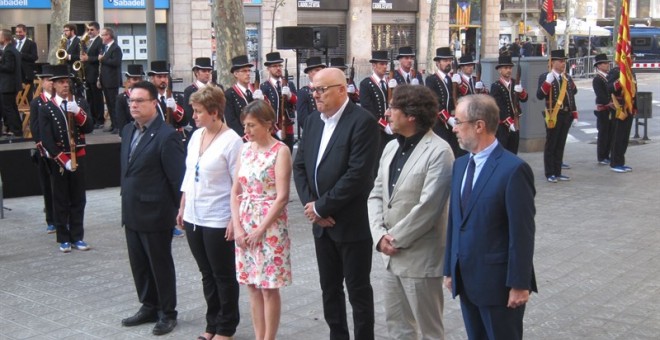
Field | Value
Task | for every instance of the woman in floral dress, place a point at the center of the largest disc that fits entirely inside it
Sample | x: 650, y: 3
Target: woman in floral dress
x: 259, y: 198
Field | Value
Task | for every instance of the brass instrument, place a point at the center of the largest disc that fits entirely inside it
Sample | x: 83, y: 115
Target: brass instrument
x: 61, y: 53
x: 78, y: 65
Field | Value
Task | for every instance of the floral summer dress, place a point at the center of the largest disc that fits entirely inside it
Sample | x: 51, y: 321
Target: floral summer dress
x: 267, y: 264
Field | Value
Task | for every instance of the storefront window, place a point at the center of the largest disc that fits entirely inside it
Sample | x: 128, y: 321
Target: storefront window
x: 393, y: 36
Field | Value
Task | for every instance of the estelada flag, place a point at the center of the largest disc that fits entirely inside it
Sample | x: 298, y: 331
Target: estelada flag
x: 623, y: 59
x: 547, y: 19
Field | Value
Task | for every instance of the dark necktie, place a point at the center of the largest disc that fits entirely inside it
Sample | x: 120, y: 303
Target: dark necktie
x: 248, y: 94
x: 467, y: 186
x: 163, y: 105
x: 63, y: 106
x: 68, y: 44
x: 105, y: 49
x: 279, y: 88
x: 408, y: 78
x: 383, y: 87
x: 448, y: 80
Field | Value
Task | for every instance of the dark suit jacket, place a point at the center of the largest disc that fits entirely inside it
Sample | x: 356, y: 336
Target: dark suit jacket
x: 345, y: 174
x: 10, y: 70
x: 372, y: 97
x: 493, y: 240
x: 151, y: 180
x: 111, y: 67
x: 305, y: 104
x: 553, y: 92
x: 234, y: 105
x: 92, y: 64
x: 29, y: 56
x: 400, y: 80
x: 74, y: 52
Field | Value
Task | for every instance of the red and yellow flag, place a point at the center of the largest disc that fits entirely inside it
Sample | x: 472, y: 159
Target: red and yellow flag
x: 623, y: 58
x: 463, y: 13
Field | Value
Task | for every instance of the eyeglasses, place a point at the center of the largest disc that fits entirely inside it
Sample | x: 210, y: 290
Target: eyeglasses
x: 322, y: 89
x: 458, y: 122
x: 138, y: 101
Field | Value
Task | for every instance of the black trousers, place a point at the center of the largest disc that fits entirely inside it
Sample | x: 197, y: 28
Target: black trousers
x: 150, y: 256
x: 69, y: 201
x: 349, y: 261
x: 43, y: 174
x: 605, y: 126
x: 555, y: 141
x: 10, y: 114
x: 110, y: 94
x: 620, y: 141
x: 445, y: 132
x: 216, y: 261
x: 509, y: 140
x: 95, y: 99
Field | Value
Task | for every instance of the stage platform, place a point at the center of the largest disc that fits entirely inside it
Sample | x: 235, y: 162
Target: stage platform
x: 19, y: 173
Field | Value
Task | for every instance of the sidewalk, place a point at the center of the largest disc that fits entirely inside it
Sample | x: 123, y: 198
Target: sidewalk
x: 597, y: 262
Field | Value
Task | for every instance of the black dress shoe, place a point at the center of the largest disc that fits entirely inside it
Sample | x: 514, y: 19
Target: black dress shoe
x: 114, y: 131
x: 139, y: 318
x: 164, y: 326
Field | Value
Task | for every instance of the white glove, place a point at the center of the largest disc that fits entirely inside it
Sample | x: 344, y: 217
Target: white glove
x: 388, y: 130
x: 574, y: 123
x: 451, y: 121
x: 414, y: 81
x: 456, y: 78
x: 258, y: 95
x: 512, y: 128
x: 72, y: 106
x: 518, y: 88
x: 392, y: 83
x: 286, y: 91
x: 68, y: 165
x: 550, y: 78
x: 350, y: 88
x: 479, y: 85
x: 170, y: 103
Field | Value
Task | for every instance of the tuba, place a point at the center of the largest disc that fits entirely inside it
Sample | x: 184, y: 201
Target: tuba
x: 61, y: 52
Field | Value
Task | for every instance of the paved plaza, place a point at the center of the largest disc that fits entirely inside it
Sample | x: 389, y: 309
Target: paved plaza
x: 597, y: 262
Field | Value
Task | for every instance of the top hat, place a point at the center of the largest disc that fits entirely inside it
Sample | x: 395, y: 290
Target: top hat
x: 273, y: 58
x: 379, y: 56
x: 59, y: 72
x: 600, y: 58
x: 466, y: 60
x: 442, y: 53
x: 46, y: 71
x: 203, y: 63
x: 239, y: 62
x: 558, y: 54
x: 338, y: 63
x: 312, y: 63
x: 158, y: 67
x: 503, y: 60
x: 405, y: 51
x: 134, y: 70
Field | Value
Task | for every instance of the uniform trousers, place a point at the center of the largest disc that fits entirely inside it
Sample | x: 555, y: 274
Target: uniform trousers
x: 555, y: 141
x: 10, y: 114
x: 69, y: 201
x: 110, y: 94
x: 350, y: 261
x: 43, y: 174
x: 95, y: 99
x: 412, y: 306
x: 150, y: 256
x: 620, y: 141
x: 509, y: 140
x: 216, y: 261
x: 605, y: 126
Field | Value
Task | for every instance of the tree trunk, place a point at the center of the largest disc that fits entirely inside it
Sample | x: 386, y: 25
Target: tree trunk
x: 278, y: 4
x: 60, y: 17
x: 229, y: 25
x: 430, y: 50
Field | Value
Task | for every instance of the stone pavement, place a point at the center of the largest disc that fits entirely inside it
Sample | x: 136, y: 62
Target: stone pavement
x: 597, y: 263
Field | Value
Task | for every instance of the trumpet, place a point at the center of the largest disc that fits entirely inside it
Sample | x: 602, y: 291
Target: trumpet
x: 61, y: 53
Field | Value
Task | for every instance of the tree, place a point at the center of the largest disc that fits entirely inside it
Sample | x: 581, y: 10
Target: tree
x: 430, y: 51
x: 60, y: 17
x: 278, y: 4
x: 229, y: 26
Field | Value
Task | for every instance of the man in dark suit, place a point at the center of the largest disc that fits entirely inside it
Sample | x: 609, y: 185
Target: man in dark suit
x: 333, y: 172
x: 241, y: 94
x: 281, y: 93
x: 306, y: 104
x: 134, y: 74
x: 604, y: 109
x: 91, y: 60
x: 508, y: 96
x: 406, y: 73
x: 490, y: 235
x: 202, y: 72
x: 10, y: 83
x: 110, y: 76
x: 152, y: 167
x: 72, y: 47
x: 373, y: 95
x: 29, y: 56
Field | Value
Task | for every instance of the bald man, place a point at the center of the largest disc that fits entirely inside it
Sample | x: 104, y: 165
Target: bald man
x: 333, y: 172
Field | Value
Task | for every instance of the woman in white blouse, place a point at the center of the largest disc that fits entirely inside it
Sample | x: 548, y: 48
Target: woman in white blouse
x: 205, y: 210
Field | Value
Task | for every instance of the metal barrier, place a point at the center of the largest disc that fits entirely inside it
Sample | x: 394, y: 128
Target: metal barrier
x: 581, y: 67
x: 644, y: 111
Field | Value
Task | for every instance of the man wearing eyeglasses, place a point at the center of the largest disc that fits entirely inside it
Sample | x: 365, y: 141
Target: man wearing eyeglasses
x: 490, y: 235
x: 408, y: 215
x: 91, y: 59
x: 333, y: 172
x: 241, y: 94
x: 281, y: 93
x: 72, y: 47
x: 202, y: 72
x: 152, y: 168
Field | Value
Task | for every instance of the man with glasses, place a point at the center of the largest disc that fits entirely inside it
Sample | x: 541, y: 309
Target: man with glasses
x: 29, y: 55
x: 333, y: 172
x: 241, y: 94
x: 408, y: 215
x: 152, y: 168
x: 306, y: 104
x: 202, y: 72
x: 278, y: 89
x: 373, y: 94
x: 72, y: 46
x: 90, y: 58
x: 490, y: 235
x: 110, y: 75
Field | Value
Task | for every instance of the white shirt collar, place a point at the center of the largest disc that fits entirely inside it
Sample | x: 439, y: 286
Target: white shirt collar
x: 199, y: 84
x: 375, y: 76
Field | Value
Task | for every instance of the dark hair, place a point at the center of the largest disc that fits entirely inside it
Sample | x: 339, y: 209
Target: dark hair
x: 110, y: 32
x: 416, y: 101
x: 147, y: 85
x: 211, y: 98
x: 482, y: 107
x: 71, y: 27
x: 22, y: 26
x: 94, y: 24
x: 6, y: 34
x: 260, y: 110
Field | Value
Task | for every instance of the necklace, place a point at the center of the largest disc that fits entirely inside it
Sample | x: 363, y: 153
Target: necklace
x: 203, y: 149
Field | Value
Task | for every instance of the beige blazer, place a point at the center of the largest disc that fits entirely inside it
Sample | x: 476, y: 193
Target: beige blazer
x: 416, y: 212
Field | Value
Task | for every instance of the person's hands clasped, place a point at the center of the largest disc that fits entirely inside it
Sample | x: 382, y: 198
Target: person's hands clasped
x: 386, y: 245
x: 314, y: 218
x: 239, y: 237
x: 254, y: 237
